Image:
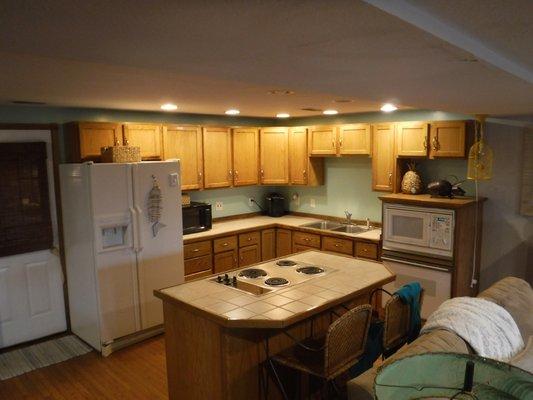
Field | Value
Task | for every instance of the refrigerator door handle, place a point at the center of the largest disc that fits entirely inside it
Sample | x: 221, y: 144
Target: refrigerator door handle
x: 135, y: 229
x: 138, y: 216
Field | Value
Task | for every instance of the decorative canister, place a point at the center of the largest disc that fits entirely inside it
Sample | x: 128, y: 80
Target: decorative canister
x: 121, y: 154
x: 411, y: 182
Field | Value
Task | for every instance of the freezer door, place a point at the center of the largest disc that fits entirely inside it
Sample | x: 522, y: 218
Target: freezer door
x: 116, y: 263
x: 159, y: 257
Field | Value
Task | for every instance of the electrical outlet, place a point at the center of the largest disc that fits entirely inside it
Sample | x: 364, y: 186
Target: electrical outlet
x: 251, y: 202
x: 219, y: 206
x: 296, y: 199
x: 312, y: 203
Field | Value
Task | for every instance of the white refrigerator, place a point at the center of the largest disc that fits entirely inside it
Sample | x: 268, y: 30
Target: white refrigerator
x: 122, y: 228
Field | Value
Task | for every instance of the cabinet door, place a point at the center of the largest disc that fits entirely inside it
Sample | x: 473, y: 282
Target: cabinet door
x: 249, y: 255
x: 185, y: 143
x: 354, y: 139
x: 283, y: 242
x: 218, y: 170
x: 245, y: 156
x: 95, y: 135
x: 323, y: 140
x: 268, y: 244
x: 225, y: 261
x: 447, y: 139
x: 274, y: 156
x: 148, y: 137
x: 383, y: 157
x: 299, y: 159
x: 412, y: 139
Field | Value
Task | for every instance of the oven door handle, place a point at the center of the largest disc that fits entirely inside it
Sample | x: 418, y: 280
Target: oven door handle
x: 414, y: 263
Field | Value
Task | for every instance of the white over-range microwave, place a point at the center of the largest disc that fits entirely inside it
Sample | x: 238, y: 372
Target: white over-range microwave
x: 418, y: 230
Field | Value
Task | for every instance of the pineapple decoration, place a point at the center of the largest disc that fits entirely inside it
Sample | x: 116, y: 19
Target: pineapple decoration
x: 411, y: 182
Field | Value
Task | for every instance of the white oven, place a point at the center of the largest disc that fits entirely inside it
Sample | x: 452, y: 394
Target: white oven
x: 418, y: 230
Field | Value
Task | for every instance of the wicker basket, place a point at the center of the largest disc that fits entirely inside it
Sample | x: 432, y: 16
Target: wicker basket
x: 121, y: 154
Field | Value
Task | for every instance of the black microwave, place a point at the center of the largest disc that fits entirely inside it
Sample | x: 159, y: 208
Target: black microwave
x: 196, y: 217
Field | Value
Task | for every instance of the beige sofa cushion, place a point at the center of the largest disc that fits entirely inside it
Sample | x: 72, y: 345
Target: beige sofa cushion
x: 524, y: 359
x: 516, y: 296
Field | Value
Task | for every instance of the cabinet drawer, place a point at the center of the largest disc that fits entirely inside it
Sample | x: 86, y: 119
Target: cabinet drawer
x: 197, y: 249
x: 198, y: 264
x: 300, y: 247
x: 366, y: 250
x: 344, y: 246
x: 225, y: 243
x: 249, y: 255
x: 306, y: 239
x: 197, y: 275
x: 247, y: 239
x: 225, y: 261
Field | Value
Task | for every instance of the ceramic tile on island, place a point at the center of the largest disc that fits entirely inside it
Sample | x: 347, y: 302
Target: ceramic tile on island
x: 278, y: 300
x: 243, y: 299
x: 295, y: 294
x: 239, y: 313
x: 278, y: 313
x: 314, y: 300
x: 221, y: 307
x: 259, y: 307
x: 297, y: 307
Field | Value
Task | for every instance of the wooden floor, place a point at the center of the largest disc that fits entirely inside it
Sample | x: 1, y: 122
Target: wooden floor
x: 137, y: 372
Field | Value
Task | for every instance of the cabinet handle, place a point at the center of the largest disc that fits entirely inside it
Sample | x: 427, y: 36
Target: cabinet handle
x: 225, y: 244
x: 337, y: 245
x: 230, y: 172
x: 435, y: 143
x: 196, y: 250
x: 425, y: 143
x: 306, y: 239
x: 199, y: 177
x: 333, y: 142
x: 365, y: 250
x: 390, y: 178
x: 117, y: 142
x: 126, y: 142
x: 340, y: 141
x: 304, y: 172
x: 262, y: 172
x: 249, y: 238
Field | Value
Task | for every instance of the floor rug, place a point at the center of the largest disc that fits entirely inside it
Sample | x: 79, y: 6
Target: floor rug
x: 22, y: 360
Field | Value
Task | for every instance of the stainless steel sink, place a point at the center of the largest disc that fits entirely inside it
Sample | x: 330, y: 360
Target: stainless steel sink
x: 324, y: 225
x: 349, y: 229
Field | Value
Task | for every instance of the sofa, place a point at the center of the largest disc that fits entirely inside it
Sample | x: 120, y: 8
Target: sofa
x: 513, y: 294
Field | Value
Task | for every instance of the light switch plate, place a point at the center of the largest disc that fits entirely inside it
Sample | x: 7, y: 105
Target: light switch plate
x: 312, y: 203
x: 219, y: 206
x: 173, y: 179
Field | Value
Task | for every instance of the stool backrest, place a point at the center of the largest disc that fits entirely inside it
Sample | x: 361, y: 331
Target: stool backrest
x: 346, y: 339
x: 396, y: 322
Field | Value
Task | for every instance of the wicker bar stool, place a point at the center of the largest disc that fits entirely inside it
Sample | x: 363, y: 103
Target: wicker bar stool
x: 331, y: 355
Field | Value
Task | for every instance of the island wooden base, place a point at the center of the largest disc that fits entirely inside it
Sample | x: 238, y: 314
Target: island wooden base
x: 208, y: 361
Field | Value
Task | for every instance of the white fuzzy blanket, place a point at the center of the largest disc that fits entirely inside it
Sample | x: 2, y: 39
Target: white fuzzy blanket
x: 486, y: 326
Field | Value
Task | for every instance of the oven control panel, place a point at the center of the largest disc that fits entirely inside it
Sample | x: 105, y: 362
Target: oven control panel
x: 441, y: 232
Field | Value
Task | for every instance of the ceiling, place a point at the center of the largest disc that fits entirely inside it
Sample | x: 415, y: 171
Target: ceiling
x: 208, y: 56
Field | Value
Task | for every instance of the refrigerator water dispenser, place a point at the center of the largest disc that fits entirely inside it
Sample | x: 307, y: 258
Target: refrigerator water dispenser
x: 114, y: 236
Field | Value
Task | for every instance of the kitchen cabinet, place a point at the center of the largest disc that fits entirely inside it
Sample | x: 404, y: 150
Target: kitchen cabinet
x: 366, y: 250
x: 185, y: 143
x: 249, y: 255
x: 268, y: 244
x: 383, y: 159
x: 447, y: 139
x: 245, y: 156
x: 411, y: 139
x: 274, y: 156
x: 198, y: 259
x: 283, y: 242
x: 343, y: 246
x: 306, y: 239
x: 225, y: 243
x: 296, y: 248
x: 249, y: 238
x: 84, y: 140
x: 354, y: 139
x: 323, y: 140
x: 146, y: 136
x: 218, y: 170
x: 225, y: 261
x: 303, y: 170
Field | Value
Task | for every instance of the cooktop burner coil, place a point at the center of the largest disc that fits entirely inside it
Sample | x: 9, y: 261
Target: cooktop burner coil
x: 286, y: 263
x: 276, y: 281
x: 253, y: 273
x: 310, y: 270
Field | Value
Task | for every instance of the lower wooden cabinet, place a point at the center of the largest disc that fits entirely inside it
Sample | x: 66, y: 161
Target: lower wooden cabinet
x: 249, y: 255
x: 306, y: 239
x: 268, y: 244
x: 366, y: 250
x: 283, y: 242
x: 296, y: 248
x: 198, y: 259
x: 225, y: 261
x: 198, y: 264
x: 343, y: 246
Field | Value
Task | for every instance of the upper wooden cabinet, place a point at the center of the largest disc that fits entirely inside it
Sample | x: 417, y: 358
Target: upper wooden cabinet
x: 411, y: 139
x: 85, y: 139
x: 245, y: 156
x: 148, y: 137
x: 218, y: 170
x: 303, y: 170
x: 383, y: 159
x: 274, y: 162
x: 355, y: 139
x: 185, y: 143
x: 323, y: 140
x: 447, y: 139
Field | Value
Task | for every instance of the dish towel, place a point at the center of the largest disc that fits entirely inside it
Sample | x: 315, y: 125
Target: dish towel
x: 410, y: 294
x: 487, y: 327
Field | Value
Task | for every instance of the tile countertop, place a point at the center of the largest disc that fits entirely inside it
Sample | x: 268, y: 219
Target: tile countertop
x: 261, y: 221
x: 348, y: 278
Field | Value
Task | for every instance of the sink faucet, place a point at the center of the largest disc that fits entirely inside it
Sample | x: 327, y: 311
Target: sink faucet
x: 348, y: 217
x: 368, y: 224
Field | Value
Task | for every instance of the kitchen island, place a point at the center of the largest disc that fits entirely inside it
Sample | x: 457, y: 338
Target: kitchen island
x: 218, y: 329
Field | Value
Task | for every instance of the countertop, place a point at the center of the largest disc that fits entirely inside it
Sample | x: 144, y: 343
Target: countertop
x: 261, y: 221
x: 347, y: 278
x: 430, y: 201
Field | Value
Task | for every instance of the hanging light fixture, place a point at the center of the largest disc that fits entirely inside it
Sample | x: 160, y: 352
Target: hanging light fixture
x: 480, y: 156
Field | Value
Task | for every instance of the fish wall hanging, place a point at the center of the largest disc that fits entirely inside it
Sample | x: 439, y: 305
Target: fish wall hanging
x: 155, y: 200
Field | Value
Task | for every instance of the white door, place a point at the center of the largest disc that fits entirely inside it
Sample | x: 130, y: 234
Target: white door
x: 160, y: 257
x: 116, y: 270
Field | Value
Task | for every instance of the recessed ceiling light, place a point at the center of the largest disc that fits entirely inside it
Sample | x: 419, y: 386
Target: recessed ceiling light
x: 282, y: 115
x: 281, y: 92
x: 169, y: 107
x: 232, y: 111
x: 330, y: 112
x: 388, y: 107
